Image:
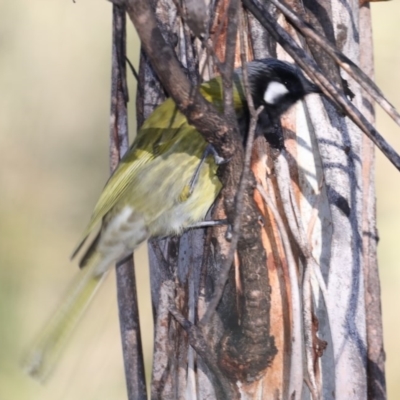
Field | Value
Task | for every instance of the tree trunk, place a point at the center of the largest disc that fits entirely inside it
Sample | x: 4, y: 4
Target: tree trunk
x: 300, y: 314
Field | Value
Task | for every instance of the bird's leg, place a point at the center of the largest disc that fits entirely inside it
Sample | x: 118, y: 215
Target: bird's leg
x: 210, y: 150
x: 197, y: 225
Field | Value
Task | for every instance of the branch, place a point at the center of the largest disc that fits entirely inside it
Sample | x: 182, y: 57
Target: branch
x: 246, y: 348
x: 126, y: 285
x: 239, y: 201
x: 189, y: 101
x: 239, y: 205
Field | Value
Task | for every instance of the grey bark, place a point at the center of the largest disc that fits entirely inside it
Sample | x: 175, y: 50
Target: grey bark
x: 125, y: 273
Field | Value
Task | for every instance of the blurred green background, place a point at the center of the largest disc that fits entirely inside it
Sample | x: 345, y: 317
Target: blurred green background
x: 54, y: 107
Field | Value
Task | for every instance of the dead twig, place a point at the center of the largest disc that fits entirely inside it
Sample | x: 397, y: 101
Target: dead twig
x: 126, y: 285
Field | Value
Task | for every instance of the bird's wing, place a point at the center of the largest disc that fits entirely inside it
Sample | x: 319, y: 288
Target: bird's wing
x: 151, y: 142
x: 154, y: 138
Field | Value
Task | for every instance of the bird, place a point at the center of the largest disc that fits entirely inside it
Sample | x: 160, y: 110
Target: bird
x: 165, y: 183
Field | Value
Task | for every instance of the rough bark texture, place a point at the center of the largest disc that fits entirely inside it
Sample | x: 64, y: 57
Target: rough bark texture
x: 375, y: 352
x: 300, y: 314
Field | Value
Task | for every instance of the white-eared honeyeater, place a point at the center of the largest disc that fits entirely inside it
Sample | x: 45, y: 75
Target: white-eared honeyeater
x: 152, y: 192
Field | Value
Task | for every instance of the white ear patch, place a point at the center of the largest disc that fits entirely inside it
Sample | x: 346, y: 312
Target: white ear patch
x: 274, y: 92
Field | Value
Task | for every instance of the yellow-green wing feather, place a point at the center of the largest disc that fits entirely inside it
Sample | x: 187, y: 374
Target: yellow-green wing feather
x: 152, y: 139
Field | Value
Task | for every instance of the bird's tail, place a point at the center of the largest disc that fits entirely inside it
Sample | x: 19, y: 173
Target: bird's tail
x: 46, y: 349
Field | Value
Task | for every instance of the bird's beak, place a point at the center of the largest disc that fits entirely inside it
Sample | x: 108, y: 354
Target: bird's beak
x: 310, y: 87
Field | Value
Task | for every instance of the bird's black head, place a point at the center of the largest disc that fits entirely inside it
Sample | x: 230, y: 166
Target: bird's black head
x: 277, y: 85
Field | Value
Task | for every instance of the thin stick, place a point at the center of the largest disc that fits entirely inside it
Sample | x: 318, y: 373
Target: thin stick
x: 126, y: 285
